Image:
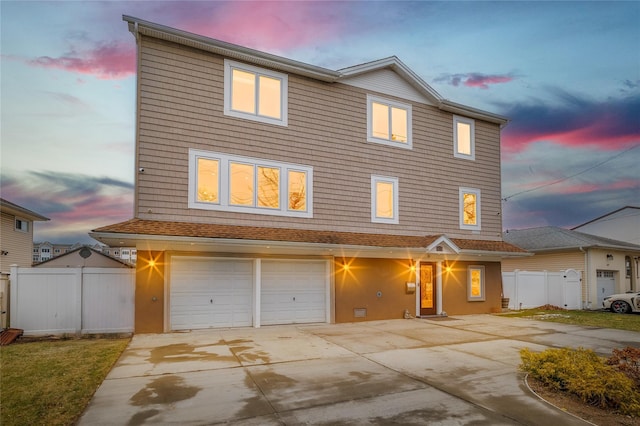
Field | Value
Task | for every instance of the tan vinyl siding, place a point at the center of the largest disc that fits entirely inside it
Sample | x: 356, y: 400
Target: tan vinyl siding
x: 546, y: 262
x: 181, y: 107
x: 17, y: 244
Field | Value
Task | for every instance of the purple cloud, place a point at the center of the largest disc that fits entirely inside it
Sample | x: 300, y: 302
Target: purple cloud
x: 474, y: 79
x: 606, y: 125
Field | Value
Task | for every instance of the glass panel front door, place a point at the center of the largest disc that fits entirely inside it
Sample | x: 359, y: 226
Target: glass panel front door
x: 427, y: 290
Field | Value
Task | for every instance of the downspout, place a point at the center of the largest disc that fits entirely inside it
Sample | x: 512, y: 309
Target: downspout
x: 587, y: 304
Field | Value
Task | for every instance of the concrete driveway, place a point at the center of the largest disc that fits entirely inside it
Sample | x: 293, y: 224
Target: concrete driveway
x: 448, y: 371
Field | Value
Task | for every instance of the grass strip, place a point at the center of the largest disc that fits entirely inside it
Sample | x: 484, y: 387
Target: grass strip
x: 601, y: 319
x: 51, y: 382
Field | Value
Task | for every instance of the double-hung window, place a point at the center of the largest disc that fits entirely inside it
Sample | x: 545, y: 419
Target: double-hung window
x: 384, y: 199
x: 469, y: 208
x: 248, y: 185
x: 255, y: 93
x: 475, y: 283
x: 388, y: 122
x: 464, y: 141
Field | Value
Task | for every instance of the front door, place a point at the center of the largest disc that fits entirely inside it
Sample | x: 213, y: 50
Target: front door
x: 427, y: 289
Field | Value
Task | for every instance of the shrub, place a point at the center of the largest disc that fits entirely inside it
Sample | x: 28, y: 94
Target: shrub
x: 581, y: 372
x: 627, y: 360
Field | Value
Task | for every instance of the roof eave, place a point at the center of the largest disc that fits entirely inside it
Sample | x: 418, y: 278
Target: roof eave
x: 467, y: 111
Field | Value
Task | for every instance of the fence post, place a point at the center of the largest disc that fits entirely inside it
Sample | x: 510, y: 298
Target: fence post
x: 13, y: 294
x: 78, y: 276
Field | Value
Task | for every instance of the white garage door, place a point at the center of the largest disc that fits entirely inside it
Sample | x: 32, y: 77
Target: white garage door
x: 293, y: 292
x: 606, y: 285
x: 207, y: 293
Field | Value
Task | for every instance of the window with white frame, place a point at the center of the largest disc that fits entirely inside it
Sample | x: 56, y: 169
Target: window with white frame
x: 384, y: 199
x: 469, y: 208
x: 249, y: 185
x: 22, y: 225
x: 388, y: 122
x: 255, y: 93
x: 464, y: 138
x: 475, y: 283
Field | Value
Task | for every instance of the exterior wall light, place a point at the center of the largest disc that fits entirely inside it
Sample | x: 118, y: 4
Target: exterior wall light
x: 609, y: 257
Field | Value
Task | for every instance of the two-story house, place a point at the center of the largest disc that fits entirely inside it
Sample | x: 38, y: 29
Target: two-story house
x: 270, y: 191
x: 16, y: 236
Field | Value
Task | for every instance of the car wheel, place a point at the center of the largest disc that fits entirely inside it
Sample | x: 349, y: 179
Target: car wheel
x: 620, y: 307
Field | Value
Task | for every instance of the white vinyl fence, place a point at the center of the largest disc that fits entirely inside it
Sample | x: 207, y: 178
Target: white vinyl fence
x: 72, y: 300
x: 530, y: 289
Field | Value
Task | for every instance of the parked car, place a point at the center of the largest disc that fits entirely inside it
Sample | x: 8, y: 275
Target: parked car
x: 623, y: 303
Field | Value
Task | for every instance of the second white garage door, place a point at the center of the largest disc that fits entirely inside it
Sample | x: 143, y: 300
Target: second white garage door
x: 208, y: 293
x: 293, y: 291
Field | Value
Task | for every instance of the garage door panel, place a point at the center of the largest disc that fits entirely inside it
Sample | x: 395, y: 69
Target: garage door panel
x: 293, y: 292
x: 207, y: 293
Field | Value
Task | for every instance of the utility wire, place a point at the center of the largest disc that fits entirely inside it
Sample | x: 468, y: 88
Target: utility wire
x: 570, y: 176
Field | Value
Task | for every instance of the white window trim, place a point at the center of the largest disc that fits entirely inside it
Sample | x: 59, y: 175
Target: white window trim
x: 15, y: 225
x: 370, y: 138
x: 482, y: 296
x: 228, y: 66
x: 396, y: 214
x: 472, y: 124
x: 461, y: 193
x: 224, y: 204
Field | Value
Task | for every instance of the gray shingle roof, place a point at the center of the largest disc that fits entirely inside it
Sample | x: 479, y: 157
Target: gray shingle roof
x: 554, y: 238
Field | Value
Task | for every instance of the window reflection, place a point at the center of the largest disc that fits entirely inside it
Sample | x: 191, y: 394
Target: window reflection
x: 380, y: 120
x: 208, y: 180
x: 269, y: 99
x: 470, y: 209
x: 243, y: 91
x: 297, y: 190
x: 464, y: 138
x: 384, y: 199
x: 241, y: 184
x: 268, y: 187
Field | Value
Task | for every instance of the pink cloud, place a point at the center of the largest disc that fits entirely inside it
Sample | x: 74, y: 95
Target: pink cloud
x: 583, y: 188
x: 608, y: 126
x: 474, y: 79
x: 263, y: 25
x: 105, y: 61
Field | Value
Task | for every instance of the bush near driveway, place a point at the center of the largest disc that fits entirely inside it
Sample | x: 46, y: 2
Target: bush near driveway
x: 581, y: 372
x: 51, y: 382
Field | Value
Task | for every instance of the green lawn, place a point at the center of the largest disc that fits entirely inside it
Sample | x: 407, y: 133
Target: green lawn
x: 51, y: 382
x: 601, y: 319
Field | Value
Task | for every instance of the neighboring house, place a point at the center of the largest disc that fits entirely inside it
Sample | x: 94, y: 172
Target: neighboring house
x: 83, y: 257
x: 270, y: 191
x: 604, y: 263
x: 16, y: 235
x: 622, y: 224
x: 126, y: 254
x: 43, y: 251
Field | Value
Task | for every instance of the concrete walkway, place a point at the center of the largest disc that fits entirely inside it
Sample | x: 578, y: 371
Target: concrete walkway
x: 451, y: 371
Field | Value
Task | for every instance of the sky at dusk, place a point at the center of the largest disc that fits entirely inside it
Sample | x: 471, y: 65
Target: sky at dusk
x: 567, y: 74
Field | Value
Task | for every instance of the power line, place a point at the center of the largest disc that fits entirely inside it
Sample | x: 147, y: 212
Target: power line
x: 571, y: 176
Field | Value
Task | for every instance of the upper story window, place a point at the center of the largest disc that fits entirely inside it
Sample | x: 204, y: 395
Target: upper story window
x: 470, y: 209
x: 248, y: 185
x: 22, y: 225
x: 388, y: 122
x: 255, y: 93
x: 384, y: 199
x: 464, y: 138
